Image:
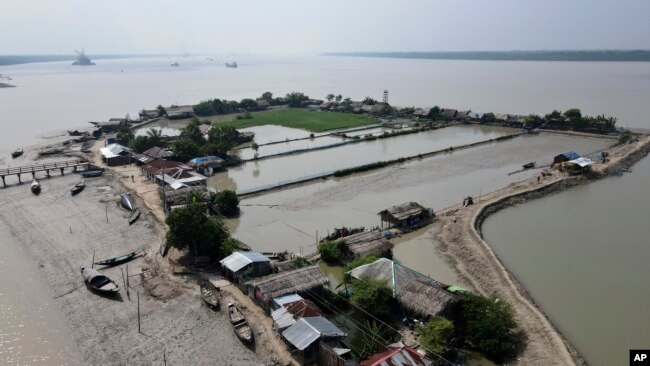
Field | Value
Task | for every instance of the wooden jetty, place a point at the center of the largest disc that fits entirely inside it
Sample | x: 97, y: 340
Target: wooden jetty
x: 45, y: 167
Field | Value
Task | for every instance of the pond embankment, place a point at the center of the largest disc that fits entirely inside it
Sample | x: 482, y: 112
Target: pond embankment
x: 458, y: 233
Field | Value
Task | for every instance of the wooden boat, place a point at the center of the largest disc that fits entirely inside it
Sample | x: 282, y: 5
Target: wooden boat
x: 17, y: 153
x: 78, y: 187
x: 164, y: 248
x: 126, y: 202
x: 35, y: 187
x: 239, y: 324
x: 529, y: 165
x: 118, y: 260
x: 134, y: 216
x: 209, y: 293
x: 50, y: 152
x: 92, y: 173
x: 96, y: 281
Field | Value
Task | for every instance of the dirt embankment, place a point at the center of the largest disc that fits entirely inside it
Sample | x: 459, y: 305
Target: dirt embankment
x: 458, y: 233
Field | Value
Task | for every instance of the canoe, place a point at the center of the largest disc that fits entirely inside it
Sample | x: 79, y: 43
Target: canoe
x: 118, y: 260
x: 239, y: 324
x: 92, y: 173
x: 529, y: 165
x: 209, y: 293
x: 78, y: 187
x: 134, y: 216
x: 126, y: 202
x: 35, y: 187
x: 17, y: 153
x: 164, y: 248
x: 96, y: 281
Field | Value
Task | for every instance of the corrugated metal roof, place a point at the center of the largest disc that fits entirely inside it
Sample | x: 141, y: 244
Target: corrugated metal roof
x: 239, y: 260
x: 286, y: 299
x: 282, y: 318
x: 308, y: 330
x: 397, y: 276
x: 571, y: 155
x: 582, y: 162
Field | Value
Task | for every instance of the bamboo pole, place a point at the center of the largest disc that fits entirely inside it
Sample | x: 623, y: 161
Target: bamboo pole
x: 138, y: 312
x: 92, y: 265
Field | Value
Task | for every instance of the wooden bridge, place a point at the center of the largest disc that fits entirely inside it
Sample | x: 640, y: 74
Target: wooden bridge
x: 46, y: 167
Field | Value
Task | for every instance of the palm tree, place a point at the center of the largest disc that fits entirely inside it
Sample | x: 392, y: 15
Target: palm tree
x: 155, y: 136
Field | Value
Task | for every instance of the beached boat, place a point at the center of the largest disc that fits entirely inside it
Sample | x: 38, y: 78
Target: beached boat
x: 209, y: 293
x: 92, y: 173
x: 50, y: 152
x: 164, y: 248
x: 118, y: 260
x: 126, y: 202
x: 78, y: 187
x: 17, y: 153
x: 35, y: 187
x: 529, y: 165
x: 239, y: 324
x: 134, y: 216
x: 96, y: 281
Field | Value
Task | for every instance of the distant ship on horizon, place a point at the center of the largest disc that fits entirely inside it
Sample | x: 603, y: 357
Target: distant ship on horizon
x: 82, y: 60
x: 175, y: 64
x: 232, y: 65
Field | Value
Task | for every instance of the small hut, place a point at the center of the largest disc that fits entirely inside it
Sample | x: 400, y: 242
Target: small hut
x: 406, y: 215
x: 303, y: 337
x: 397, y: 354
x: 306, y: 279
x: 186, y: 111
x: 240, y: 267
x: 426, y: 299
x: 567, y: 156
x: 368, y: 242
x: 116, y: 154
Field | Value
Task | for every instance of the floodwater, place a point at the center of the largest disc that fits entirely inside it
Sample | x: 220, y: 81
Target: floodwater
x: 583, y: 256
x: 32, y: 332
x: 261, y: 173
x: 290, y: 219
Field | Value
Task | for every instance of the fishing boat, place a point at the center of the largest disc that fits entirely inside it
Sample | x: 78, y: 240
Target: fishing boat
x: 92, y: 173
x: 35, y: 187
x: 50, y: 152
x: 118, y: 260
x: 209, y: 293
x: 96, y: 281
x: 134, y: 216
x: 78, y: 187
x: 17, y: 153
x: 164, y: 248
x: 239, y: 324
x: 126, y: 202
x: 529, y: 165
x: 175, y: 64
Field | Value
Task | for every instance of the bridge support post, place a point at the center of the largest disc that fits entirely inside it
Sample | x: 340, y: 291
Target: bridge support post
x: 19, y: 181
x: 47, y: 172
x: 61, y: 171
x: 4, y: 184
x: 33, y: 174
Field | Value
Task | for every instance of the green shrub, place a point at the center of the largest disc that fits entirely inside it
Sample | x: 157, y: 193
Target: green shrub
x: 435, y: 335
x: 373, y: 296
x: 332, y: 251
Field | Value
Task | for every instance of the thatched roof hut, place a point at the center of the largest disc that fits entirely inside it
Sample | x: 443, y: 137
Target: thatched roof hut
x: 407, y: 214
x: 427, y: 299
x: 368, y: 242
x: 180, y: 196
x: 299, y: 280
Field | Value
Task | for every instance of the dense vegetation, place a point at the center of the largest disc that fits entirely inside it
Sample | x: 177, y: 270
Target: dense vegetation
x: 227, y: 203
x: 192, y: 143
x: 572, y: 119
x: 435, y: 335
x: 373, y: 296
x: 332, y: 251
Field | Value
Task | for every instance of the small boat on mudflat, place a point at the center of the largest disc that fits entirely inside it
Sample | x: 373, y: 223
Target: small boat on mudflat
x: 126, y: 202
x: 96, y: 281
x: 50, y: 152
x: 78, y: 187
x: 17, y: 153
x: 529, y: 165
x: 134, y: 216
x: 209, y: 293
x: 35, y: 187
x: 239, y: 324
x: 92, y: 173
x: 118, y: 260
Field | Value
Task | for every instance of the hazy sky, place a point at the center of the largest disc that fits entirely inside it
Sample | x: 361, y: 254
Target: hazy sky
x: 303, y: 26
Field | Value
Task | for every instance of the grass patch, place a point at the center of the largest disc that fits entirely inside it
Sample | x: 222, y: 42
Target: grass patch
x: 314, y: 121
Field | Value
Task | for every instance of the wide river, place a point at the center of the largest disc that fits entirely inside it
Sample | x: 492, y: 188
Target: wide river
x: 561, y: 248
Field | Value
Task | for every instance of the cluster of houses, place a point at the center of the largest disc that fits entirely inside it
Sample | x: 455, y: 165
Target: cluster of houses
x: 293, y: 298
x: 573, y: 163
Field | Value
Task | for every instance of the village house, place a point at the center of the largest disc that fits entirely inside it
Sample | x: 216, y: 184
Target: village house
x: 146, y: 114
x: 111, y: 125
x: 447, y: 114
x: 308, y: 279
x: 474, y: 116
x: 186, y: 111
x: 240, y: 267
x: 419, y: 113
x: 501, y: 118
x: 578, y: 166
x: 152, y: 154
x: 514, y: 120
x: 462, y: 116
x: 367, y: 243
x: 417, y: 293
x: 397, y: 354
x: 289, y: 313
x: 564, y: 157
x: 262, y: 104
x: 174, y: 174
x: 406, y: 215
x: 116, y: 154
x: 201, y: 163
x: 310, y: 339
